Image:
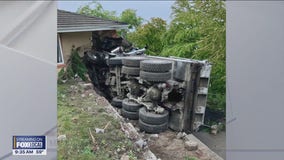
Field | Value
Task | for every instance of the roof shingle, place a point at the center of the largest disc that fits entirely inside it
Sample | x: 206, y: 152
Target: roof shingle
x: 74, y: 22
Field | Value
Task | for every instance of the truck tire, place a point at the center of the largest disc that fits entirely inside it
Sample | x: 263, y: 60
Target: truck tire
x: 155, y: 77
x: 133, y: 61
x: 130, y: 115
x: 134, y: 71
x: 115, y: 61
x: 150, y: 128
x: 116, y: 102
x: 153, y: 118
x: 155, y: 65
x: 130, y: 106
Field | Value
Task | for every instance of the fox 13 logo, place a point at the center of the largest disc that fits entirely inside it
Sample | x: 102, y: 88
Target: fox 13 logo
x: 29, y: 145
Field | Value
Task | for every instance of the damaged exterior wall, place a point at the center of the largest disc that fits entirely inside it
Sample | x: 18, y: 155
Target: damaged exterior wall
x: 77, y: 39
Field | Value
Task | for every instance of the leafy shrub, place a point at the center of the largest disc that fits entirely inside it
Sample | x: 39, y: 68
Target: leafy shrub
x: 75, y: 66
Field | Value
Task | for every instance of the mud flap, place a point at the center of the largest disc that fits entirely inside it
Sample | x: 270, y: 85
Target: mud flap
x: 176, y: 120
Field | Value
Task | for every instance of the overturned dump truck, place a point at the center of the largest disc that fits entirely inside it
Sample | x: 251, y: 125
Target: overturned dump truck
x: 159, y: 92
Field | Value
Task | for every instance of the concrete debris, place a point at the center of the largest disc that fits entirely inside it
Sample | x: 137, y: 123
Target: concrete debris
x: 214, y: 129
x: 73, y: 87
x: 191, y: 145
x: 86, y: 86
x: 159, y: 110
x: 75, y: 119
x: 61, y: 137
x: 119, y: 111
x: 83, y: 95
x: 64, y: 80
x: 77, y: 78
x: 141, y: 143
x: 124, y: 157
x: 181, y: 135
x: 118, y: 150
x: 137, y: 128
x: 148, y: 155
x: 214, y: 132
x: 99, y: 130
x: 154, y: 136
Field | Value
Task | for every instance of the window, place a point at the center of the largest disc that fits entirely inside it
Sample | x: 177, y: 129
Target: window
x: 59, y: 51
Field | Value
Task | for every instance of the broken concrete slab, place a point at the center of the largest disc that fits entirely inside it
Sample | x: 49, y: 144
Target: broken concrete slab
x: 191, y: 145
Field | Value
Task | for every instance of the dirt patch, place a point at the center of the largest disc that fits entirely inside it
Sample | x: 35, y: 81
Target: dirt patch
x: 168, y: 146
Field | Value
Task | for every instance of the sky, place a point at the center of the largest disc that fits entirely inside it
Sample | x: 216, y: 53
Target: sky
x: 144, y: 9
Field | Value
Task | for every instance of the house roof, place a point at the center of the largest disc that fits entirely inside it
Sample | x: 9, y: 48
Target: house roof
x: 74, y: 22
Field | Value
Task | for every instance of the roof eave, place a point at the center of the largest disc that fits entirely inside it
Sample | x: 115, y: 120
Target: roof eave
x: 90, y: 29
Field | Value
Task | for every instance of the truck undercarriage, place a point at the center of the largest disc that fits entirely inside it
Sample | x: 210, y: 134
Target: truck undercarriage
x: 159, y: 92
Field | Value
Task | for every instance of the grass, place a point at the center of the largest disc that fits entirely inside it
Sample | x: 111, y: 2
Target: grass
x: 190, y: 158
x: 76, y: 116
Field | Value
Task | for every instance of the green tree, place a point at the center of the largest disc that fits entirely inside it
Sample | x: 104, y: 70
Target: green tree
x: 149, y: 35
x: 198, y: 31
x: 128, y: 16
x: 96, y: 9
x: 183, y: 34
